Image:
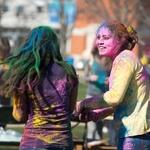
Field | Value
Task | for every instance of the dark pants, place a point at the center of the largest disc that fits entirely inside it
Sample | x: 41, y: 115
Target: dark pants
x: 140, y: 142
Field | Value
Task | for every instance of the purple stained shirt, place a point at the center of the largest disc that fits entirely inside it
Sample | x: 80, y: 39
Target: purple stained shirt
x: 48, y: 122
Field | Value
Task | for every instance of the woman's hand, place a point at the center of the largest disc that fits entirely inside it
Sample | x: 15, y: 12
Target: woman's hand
x: 78, y: 108
x: 87, y: 104
x: 80, y: 112
x: 93, y: 115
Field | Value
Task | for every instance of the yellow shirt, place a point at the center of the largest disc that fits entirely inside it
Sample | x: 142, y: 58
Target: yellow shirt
x: 129, y: 92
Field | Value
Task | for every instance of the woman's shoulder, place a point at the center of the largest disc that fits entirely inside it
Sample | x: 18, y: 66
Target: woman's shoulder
x: 127, y: 57
x: 56, y: 70
x: 126, y: 54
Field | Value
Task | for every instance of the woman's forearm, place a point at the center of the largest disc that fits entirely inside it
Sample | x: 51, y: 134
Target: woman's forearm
x: 94, y: 102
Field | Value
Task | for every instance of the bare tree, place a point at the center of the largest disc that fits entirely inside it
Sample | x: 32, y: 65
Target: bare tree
x: 144, y: 11
x: 135, y: 12
x: 124, y: 10
x: 66, y: 29
x: 101, y: 9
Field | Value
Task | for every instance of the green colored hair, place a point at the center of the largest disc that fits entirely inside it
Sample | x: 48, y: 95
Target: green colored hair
x: 25, y: 68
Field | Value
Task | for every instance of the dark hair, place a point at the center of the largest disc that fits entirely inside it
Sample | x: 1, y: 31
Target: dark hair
x: 126, y: 34
x: 95, y: 51
x: 25, y: 68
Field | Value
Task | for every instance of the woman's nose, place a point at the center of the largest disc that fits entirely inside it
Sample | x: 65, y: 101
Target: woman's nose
x: 100, y: 42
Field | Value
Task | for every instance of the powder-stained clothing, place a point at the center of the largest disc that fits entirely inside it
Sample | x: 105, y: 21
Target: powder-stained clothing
x: 139, y: 142
x: 48, y: 123
x: 129, y: 91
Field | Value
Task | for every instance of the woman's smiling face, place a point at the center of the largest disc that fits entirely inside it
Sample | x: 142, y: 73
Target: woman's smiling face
x: 107, y: 43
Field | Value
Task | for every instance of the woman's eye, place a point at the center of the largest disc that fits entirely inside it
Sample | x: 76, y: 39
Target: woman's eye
x: 98, y: 37
x: 106, y: 38
x: 103, y: 37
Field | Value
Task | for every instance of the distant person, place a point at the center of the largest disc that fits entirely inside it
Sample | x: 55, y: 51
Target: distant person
x: 129, y: 86
x: 44, y: 91
x: 97, y: 83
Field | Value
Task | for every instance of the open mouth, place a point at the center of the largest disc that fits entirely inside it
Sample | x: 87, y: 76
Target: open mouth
x: 101, y: 47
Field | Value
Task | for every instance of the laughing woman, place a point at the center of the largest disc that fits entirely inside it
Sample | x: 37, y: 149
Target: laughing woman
x: 129, y: 86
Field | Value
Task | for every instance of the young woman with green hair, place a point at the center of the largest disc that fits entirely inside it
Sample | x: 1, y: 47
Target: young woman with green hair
x: 44, y: 91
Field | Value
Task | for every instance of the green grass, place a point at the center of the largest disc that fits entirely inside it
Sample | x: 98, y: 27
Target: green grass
x: 78, y: 131
x: 9, y: 148
x: 82, y: 91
